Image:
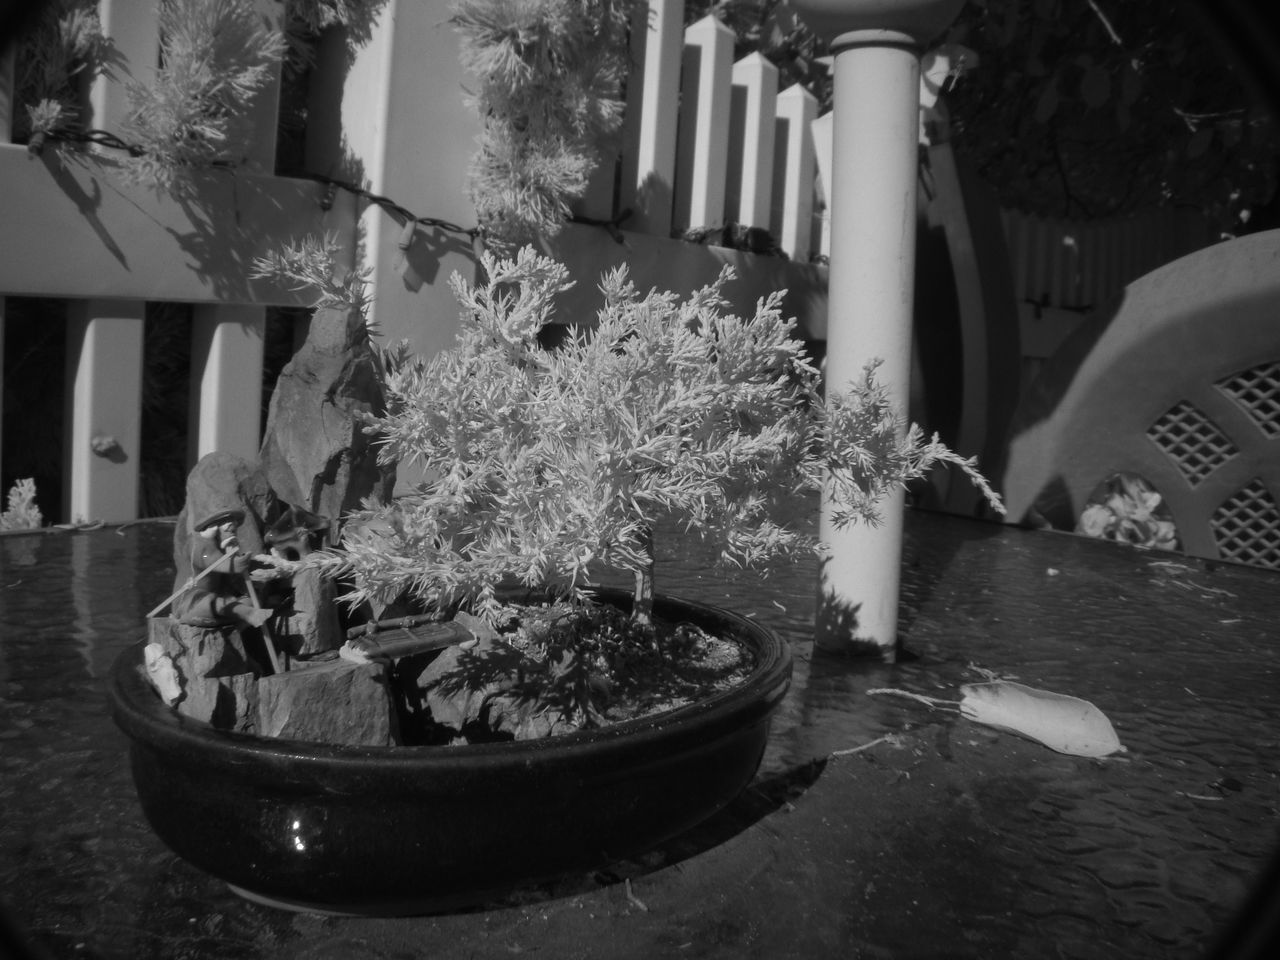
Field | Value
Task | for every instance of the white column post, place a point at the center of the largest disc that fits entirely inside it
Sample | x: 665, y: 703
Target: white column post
x: 226, y: 380
x: 876, y: 101
x: 105, y: 337
x: 703, y: 143
x: 104, y: 377
x: 757, y: 78
x: 873, y: 233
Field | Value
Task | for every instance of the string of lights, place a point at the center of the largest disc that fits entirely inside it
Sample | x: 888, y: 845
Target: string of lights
x: 409, y: 220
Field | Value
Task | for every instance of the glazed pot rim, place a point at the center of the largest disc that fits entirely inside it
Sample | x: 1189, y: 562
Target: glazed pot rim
x: 141, y: 714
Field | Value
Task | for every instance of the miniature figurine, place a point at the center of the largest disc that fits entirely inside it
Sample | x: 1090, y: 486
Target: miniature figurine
x: 215, y: 595
x: 297, y: 533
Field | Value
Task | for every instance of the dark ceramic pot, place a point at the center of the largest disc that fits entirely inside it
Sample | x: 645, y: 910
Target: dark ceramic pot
x: 397, y: 830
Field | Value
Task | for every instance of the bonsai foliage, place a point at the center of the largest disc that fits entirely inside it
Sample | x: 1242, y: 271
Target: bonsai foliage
x: 215, y: 57
x: 546, y: 465
x: 312, y: 263
x: 549, y: 84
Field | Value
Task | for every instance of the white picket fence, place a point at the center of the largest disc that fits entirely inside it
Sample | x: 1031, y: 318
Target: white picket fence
x: 709, y: 141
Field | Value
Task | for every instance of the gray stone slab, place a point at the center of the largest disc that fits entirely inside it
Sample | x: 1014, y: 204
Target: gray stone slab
x: 336, y: 702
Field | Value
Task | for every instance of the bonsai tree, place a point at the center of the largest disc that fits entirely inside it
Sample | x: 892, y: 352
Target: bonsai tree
x: 548, y: 464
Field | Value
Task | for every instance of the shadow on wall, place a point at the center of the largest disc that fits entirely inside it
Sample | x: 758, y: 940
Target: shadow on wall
x: 682, y: 267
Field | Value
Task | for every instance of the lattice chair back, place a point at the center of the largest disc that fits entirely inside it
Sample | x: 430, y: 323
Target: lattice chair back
x: 1178, y: 384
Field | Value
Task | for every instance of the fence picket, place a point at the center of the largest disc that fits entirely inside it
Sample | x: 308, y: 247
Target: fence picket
x: 755, y: 94
x: 703, y: 143
x: 649, y: 163
x: 823, y: 130
x: 134, y: 31
x: 797, y: 108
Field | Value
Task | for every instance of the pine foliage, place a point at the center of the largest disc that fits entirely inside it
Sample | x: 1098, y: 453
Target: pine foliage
x: 216, y: 55
x: 315, y: 16
x: 867, y: 454
x: 312, y: 263
x: 549, y: 76
x: 65, y: 47
x: 307, y: 20
x: 549, y: 464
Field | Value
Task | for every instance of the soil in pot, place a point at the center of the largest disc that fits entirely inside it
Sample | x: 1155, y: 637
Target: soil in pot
x: 546, y: 669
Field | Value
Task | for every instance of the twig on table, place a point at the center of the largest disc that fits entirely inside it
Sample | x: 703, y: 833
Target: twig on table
x: 1197, y: 796
x: 892, y: 738
x: 1168, y: 565
x: 632, y: 897
x: 927, y: 701
x: 1217, y: 592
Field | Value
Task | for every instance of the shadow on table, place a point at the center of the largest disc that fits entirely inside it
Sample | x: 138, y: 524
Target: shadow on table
x: 15, y: 943
x: 926, y: 558
x: 762, y: 797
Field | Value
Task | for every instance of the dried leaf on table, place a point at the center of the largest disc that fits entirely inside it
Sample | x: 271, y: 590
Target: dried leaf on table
x: 1062, y: 723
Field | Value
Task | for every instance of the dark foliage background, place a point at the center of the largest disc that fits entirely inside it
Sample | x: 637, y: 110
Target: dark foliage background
x: 1084, y: 108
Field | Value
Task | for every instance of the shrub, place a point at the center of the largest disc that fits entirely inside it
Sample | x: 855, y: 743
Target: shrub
x: 546, y: 465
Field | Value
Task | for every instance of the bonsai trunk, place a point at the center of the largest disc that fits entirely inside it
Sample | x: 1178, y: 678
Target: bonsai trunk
x: 642, y: 606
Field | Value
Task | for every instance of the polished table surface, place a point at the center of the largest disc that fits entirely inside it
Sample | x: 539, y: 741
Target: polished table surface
x: 948, y: 839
